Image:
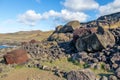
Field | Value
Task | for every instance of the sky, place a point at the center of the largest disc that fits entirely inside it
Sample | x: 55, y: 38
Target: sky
x: 26, y: 15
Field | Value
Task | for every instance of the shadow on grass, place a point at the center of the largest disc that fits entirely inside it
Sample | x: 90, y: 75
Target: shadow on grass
x: 105, y: 74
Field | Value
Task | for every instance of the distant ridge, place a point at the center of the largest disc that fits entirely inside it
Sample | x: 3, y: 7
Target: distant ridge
x: 26, y: 32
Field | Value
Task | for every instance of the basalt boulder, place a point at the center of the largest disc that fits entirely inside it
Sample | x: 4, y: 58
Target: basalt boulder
x: 61, y: 37
x: 64, y: 33
x: 58, y: 29
x: 18, y: 56
x: 71, y: 26
x: 82, y: 32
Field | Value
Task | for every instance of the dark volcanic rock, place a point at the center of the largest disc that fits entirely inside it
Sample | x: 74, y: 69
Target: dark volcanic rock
x: 82, y: 32
x: 107, y: 67
x: 81, y: 75
x: 112, y: 77
x: 107, y: 21
x: 116, y: 58
x: 103, y: 78
x: 80, y: 57
x: 61, y: 37
x: 16, y: 56
x: 117, y: 73
x: 114, y: 66
x: 64, y: 33
x: 70, y: 26
x: 44, y: 50
x: 59, y: 29
x: 111, y: 17
x: 116, y: 33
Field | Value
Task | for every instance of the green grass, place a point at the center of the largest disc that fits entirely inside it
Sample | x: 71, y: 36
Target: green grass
x: 19, y: 66
x: 68, y: 65
x: 102, y: 71
x: 62, y: 64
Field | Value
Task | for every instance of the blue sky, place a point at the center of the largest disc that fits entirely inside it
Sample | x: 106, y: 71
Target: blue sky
x: 24, y: 15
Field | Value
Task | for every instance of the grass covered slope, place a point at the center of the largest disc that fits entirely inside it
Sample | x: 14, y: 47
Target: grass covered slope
x: 24, y: 36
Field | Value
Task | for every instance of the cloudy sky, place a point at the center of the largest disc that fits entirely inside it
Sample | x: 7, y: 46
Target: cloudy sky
x: 23, y: 15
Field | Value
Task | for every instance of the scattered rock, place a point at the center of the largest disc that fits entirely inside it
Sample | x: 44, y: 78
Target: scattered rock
x: 44, y: 51
x: 117, y: 73
x: 107, y: 67
x: 81, y: 75
x: 103, y: 78
x: 114, y: 66
x: 111, y: 77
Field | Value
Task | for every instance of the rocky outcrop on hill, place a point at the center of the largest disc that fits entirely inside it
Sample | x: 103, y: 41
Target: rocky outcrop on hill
x: 70, y: 26
x: 111, y: 17
x: 64, y: 33
x: 61, y: 37
x: 107, y: 21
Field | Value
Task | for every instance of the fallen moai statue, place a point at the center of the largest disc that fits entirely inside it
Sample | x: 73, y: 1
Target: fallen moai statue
x: 94, y: 41
x: 18, y: 56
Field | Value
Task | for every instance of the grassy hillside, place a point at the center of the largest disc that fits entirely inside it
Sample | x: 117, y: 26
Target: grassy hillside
x: 24, y: 36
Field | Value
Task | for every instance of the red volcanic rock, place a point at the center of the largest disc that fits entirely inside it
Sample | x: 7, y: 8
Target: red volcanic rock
x: 33, y: 41
x: 93, y: 30
x: 81, y: 32
x: 16, y: 56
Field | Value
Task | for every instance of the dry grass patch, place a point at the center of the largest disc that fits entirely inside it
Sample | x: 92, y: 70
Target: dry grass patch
x: 31, y: 74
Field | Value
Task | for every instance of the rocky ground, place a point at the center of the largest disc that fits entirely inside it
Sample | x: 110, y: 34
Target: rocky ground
x: 69, y: 53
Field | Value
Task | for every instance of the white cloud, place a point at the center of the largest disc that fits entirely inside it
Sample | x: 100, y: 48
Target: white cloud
x: 67, y: 15
x: 49, y: 14
x: 30, y: 17
x: 73, y: 10
x: 110, y: 8
x: 80, y: 5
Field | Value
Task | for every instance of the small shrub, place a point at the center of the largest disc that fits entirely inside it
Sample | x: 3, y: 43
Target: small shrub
x: 86, y: 65
x: 18, y: 66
